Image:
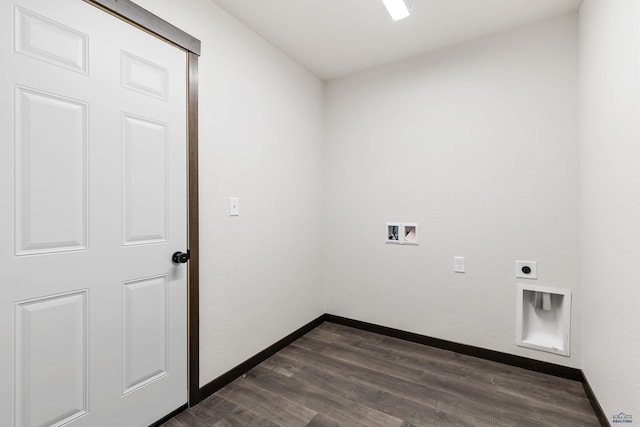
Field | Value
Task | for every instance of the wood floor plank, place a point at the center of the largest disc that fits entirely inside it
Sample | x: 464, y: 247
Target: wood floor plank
x: 516, y: 384
x: 429, y: 355
x: 322, y: 421
x: 241, y: 417
x: 213, y: 409
x: 267, y: 404
x: 409, y: 410
x: 437, y: 399
x: 344, y: 411
x: 284, y: 367
x: 374, y: 342
x: 340, y: 376
x: 548, y: 388
x: 187, y: 418
x: 350, y: 355
x: 173, y: 423
x: 450, y: 389
x: 564, y: 397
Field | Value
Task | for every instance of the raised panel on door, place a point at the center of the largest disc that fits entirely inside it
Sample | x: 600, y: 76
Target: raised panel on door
x: 145, y: 346
x: 50, y: 172
x: 51, y: 351
x: 144, y: 76
x: 50, y: 41
x: 145, y: 180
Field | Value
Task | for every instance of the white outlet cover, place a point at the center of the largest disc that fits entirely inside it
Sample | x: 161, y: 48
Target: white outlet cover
x: 458, y: 264
x: 234, y: 206
x: 533, y: 265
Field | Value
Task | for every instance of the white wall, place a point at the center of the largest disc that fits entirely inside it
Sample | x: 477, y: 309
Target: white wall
x: 261, y: 130
x: 610, y: 203
x: 478, y: 144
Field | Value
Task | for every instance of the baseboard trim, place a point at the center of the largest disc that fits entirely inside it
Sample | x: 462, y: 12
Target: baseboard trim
x: 495, y: 356
x: 169, y: 416
x: 492, y: 355
x: 226, y: 378
x: 595, y: 404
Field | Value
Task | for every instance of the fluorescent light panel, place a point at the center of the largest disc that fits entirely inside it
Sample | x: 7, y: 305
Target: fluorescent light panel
x: 398, y: 9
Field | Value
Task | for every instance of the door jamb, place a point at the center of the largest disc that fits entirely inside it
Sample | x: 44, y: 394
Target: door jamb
x: 145, y: 20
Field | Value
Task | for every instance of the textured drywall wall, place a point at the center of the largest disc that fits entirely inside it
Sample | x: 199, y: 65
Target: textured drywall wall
x: 478, y: 144
x: 610, y: 206
x: 261, y: 129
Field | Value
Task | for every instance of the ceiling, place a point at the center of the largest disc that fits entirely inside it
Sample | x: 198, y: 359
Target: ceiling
x: 333, y: 38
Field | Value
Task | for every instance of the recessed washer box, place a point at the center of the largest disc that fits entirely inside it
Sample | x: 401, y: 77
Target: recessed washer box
x: 543, y: 318
x: 400, y: 233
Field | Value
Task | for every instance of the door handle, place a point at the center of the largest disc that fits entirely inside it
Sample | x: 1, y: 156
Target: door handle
x: 181, y: 257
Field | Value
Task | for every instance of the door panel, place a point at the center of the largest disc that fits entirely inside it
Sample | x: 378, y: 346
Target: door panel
x: 145, y: 180
x: 50, y: 41
x: 145, y: 347
x: 51, y: 209
x: 51, y: 332
x: 144, y: 76
x: 93, y: 160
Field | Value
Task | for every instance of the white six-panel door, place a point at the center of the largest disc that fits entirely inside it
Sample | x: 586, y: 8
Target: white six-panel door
x: 93, y: 204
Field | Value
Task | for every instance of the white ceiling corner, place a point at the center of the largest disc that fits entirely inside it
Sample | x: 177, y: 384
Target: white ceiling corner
x: 333, y: 38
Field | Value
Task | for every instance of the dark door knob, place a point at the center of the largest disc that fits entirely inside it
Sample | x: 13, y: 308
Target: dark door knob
x: 180, y: 257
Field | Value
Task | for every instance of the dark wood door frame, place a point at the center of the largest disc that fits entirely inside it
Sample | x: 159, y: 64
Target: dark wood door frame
x: 139, y: 17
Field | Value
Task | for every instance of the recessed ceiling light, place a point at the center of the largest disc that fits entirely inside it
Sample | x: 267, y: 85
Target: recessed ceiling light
x: 398, y: 9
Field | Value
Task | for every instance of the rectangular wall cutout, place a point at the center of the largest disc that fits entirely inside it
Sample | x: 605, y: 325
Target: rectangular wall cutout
x: 543, y: 318
x: 399, y: 233
x: 393, y: 233
x: 410, y: 235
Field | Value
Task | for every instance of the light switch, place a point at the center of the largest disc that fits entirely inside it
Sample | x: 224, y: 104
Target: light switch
x: 458, y: 264
x: 234, y: 206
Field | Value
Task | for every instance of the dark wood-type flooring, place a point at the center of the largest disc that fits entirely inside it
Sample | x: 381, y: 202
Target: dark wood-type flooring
x: 340, y: 376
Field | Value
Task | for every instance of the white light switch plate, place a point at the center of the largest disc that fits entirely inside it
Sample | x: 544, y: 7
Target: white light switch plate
x: 234, y: 206
x: 458, y: 264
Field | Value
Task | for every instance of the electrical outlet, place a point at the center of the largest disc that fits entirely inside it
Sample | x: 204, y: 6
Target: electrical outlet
x: 526, y: 269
